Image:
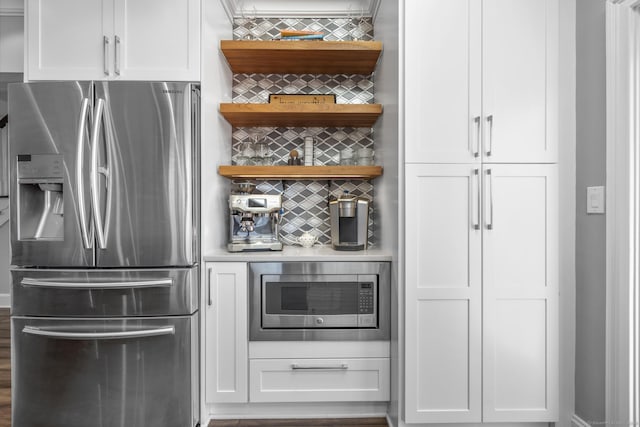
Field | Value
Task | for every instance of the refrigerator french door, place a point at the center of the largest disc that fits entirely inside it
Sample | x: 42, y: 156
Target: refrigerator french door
x: 104, y: 174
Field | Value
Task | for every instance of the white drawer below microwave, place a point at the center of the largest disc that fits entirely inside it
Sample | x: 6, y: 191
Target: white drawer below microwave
x: 318, y: 380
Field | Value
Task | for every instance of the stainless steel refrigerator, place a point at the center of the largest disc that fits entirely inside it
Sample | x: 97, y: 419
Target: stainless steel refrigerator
x: 105, y: 248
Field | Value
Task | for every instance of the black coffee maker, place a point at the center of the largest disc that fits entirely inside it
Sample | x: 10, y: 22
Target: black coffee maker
x: 349, y: 222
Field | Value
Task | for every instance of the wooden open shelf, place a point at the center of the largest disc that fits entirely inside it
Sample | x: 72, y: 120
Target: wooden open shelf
x: 301, y: 115
x: 300, y: 172
x: 297, y: 57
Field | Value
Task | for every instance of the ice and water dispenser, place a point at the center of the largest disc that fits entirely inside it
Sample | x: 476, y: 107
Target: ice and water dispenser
x: 40, y: 204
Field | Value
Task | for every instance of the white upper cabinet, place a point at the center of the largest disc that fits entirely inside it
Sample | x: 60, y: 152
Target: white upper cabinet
x: 481, y: 81
x: 113, y: 39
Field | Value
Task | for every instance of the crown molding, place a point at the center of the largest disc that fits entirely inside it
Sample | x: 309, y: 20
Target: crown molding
x: 11, y: 11
x: 301, y: 9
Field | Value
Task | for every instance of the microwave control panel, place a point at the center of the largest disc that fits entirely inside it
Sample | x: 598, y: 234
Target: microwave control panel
x: 366, y: 306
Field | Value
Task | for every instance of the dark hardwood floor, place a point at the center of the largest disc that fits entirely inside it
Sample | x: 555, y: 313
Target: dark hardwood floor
x: 5, y: 397
x: 325, y: 422
x: 5, y: 369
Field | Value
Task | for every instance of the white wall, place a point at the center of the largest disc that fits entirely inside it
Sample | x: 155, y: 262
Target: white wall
x: 590, y: 233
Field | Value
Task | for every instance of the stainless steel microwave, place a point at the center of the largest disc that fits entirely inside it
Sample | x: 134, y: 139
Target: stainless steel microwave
x: 319, y: 301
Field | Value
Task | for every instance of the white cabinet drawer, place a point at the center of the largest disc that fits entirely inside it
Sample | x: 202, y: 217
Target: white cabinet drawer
x: 318, y: 380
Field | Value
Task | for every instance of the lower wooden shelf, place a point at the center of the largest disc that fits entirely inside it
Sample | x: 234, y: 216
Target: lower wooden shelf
x: 300, y: 172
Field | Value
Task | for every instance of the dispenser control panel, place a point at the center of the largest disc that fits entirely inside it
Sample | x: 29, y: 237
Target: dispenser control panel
x: 40, y: 167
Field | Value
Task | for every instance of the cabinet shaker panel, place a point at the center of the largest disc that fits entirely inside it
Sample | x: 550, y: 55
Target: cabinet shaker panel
x: 225, y: 334
x: 443, y: 293
x: 519, y: 80
x: 159, y: 38
x: 520, y: 293
x: 443, y: 81
x: 64, y: 38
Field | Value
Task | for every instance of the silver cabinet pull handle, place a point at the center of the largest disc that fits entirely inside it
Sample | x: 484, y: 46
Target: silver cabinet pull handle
x: 117, y: 56
x: 45, y: 283
x: 341, y: 367
x: 95, y: 196
x: 105, y: 47
x: 476, y: 142
x: 32, y: 330
x: 489, y: 194
x: 489, y: 139
x: 475, y: 198
x: 87, y: 239
x: 210, y: 301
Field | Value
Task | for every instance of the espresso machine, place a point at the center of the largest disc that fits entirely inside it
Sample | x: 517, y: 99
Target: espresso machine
x: 254, y: 222
x: 349, y: 222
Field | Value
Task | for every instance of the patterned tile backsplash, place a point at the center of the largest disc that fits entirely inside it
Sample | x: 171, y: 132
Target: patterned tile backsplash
x: 306, y: 202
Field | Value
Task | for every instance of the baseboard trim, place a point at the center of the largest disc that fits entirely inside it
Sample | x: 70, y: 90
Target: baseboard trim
x: 576, y: 421
x: 5, y: 300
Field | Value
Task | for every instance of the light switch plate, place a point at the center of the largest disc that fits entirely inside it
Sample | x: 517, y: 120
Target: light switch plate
x: 595, y: 200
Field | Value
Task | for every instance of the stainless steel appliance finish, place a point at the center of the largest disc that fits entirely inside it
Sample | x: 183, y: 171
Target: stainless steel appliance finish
x: 132, y: 372
x: 123, y: 156
x: 254, y: 222
x: 104, y: 293
x: 300, y: 301
x: 349, y: 223
x: 105, y: 247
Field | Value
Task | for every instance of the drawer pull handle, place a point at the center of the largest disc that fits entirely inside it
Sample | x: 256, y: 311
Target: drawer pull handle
x: 341, y: 367
x: 33, y: 330
x: 46, y: 283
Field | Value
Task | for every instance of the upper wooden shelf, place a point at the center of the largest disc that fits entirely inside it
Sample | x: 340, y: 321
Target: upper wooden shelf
x: 301, y: 115
x: 297, y: 57
x: 300, y: 172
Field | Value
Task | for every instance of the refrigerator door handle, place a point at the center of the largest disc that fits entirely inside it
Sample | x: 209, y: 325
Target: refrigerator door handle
x: 95, y: 193
x: 33, y: 330
x: 87, y: 236
x: 152, y: 283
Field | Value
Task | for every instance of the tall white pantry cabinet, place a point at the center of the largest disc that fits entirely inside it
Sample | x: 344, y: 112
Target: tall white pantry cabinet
x: 481, y: 246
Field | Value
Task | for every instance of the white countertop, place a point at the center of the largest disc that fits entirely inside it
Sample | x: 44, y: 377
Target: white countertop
x: 297, y: 253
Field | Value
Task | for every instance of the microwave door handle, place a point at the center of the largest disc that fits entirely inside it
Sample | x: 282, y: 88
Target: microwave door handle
x: 95, y: 199
x: 87, y: 237
x: 144, y: 333
x: 157, y: 283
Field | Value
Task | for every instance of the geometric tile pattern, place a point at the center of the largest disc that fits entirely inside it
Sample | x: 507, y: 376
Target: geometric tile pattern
x: 333, y: 29
x: 328, y: 143
x: 305, y: 202
x: 348, y: 88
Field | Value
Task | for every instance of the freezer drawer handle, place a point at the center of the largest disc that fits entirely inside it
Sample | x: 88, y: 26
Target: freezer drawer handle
x: 97, y: 285
x: 32, y: 330
x: 340, y: 367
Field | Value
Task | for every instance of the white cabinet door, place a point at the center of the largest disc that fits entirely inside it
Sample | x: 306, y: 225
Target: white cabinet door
x: 481, y: 81
x: 520, y: 57
x: 442, y: 80
x: 157, y: 39
x: 65, y: 39
x: 113, y: 39
x: 520, y: 293
x: 225, y: 334
x: 443, y: 294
